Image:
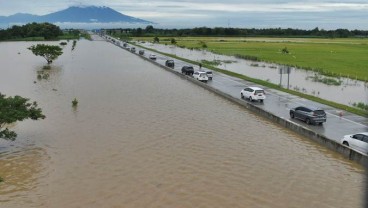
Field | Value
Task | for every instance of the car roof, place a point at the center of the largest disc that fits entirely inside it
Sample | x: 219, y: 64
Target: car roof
x: 309, y: 107
x: 255, y: 88
x: 364, y: 133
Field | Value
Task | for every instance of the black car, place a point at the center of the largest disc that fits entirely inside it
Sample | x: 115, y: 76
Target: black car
x: 310, y: 115
x: 141, y: 52
x: 187, y: 70
x: 170, y: 63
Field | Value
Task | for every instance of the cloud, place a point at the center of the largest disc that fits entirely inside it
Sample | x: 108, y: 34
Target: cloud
x: 240, y: 13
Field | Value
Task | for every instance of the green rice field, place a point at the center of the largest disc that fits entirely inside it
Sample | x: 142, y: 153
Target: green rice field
x: 347, y: 57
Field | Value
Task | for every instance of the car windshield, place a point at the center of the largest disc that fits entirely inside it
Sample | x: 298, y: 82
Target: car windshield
x: 209, y: 72
x: 319, y: 112
x: 259, y: 92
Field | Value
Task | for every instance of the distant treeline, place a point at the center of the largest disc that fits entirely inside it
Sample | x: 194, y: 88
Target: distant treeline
x: 253, y: 32
x: 46, y: 30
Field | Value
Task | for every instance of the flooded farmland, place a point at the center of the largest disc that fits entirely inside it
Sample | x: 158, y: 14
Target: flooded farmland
x: 143, y: 137
x: 349, y: 92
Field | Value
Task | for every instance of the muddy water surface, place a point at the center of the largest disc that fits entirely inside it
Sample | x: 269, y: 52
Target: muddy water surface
x: 143, y: 137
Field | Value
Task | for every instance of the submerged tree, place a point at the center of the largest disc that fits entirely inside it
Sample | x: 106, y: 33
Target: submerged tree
x: 156, y: 39
x: 49, y: 52
x: 14, y: 109
x: 173, y: 41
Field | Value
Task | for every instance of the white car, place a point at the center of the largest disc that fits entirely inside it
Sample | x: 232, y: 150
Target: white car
x: 209, y: 73
x: 253, y: 93
x: 357, y: 141
x: 200, y: 76
x: 152, y: 57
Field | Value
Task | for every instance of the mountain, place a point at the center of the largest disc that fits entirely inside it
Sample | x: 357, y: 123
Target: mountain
x: 90, y: 14
x: 18, y: 18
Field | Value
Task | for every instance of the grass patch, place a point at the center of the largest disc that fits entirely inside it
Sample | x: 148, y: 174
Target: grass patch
x: 350, y: 109
x: 361, y: 106
x: 1, y: 179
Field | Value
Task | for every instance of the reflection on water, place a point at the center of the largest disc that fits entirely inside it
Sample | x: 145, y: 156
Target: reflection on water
x: 142, y: 137
x: 348, y: 93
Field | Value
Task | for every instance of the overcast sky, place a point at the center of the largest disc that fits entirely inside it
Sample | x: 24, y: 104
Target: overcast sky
x: 306, y: 14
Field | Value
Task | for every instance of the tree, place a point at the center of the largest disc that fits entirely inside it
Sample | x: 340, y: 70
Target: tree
x: 173, y: 41
x: 285, y: 51
x: 156, y: 40
x: 14, y: 109
x: 149, y: 29
x: 49, y: 52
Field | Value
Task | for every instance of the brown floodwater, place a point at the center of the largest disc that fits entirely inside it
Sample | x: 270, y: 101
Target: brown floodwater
x: 143, y: 137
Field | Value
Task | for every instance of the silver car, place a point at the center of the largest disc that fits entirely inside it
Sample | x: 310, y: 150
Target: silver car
x: 310, y: 115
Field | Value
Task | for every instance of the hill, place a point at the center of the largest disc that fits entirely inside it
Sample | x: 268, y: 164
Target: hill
x: 90, y: 14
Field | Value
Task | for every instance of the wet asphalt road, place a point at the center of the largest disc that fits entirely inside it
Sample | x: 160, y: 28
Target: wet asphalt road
x: 277, y: 102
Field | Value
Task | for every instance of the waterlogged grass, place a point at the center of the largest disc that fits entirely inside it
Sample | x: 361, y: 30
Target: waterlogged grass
x: 213, y: 63
x: 86, y: 36
x: 332, y: 57
x: 325, y: 80
x: 350, y: 109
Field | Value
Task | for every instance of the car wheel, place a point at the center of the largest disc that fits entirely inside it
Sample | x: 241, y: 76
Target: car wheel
x: 320, y: 123
x: 345, y: 143
x: 292, y: 115
x: 261, y: 101
x: 241, y: 95
x: 250, y: 98
x: 308, y: 121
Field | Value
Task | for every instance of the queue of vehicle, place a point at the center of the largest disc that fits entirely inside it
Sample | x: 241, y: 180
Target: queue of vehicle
x: 309, y: 114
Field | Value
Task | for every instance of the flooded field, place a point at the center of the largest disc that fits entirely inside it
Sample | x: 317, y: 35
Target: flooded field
x: 143, y: 137
x: 349, y: 92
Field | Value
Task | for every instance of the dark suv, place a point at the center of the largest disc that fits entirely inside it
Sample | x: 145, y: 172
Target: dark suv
x: 187, y: 70
x: 310, y: 115
x: 170, y: 63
